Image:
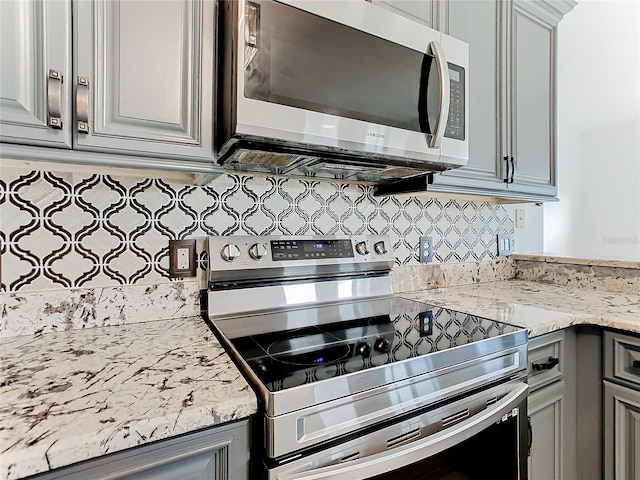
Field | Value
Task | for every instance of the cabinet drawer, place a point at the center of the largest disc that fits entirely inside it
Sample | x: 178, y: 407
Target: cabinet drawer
x: 622, y: 358
x: 546, y: 359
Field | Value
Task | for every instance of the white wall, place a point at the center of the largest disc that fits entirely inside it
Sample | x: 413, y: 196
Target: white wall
x: 609, y: 215
x: 530, y: 237
x: 598, y: 215
x: 562, y: 219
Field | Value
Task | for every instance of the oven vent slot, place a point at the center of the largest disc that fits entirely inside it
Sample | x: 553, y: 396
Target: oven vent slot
x: 456, y: 417
x: 348, y: 458
x: 491, y: 401
x: 405, y: 437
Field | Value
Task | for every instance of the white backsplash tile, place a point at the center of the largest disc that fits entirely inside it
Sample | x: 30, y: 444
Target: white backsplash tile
x: 83, y: 230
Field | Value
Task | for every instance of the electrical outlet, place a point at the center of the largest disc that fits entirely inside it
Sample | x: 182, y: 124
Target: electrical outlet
x: 182, y: 258
x: 519, y: 217
x: 426, y: 249
x: 505, y: 245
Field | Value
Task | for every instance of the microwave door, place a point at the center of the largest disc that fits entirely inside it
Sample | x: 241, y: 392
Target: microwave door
x: 308, y: 79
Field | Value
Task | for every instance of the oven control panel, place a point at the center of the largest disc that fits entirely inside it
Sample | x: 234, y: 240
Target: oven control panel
x: 310, y: 249
x: 242, y: 253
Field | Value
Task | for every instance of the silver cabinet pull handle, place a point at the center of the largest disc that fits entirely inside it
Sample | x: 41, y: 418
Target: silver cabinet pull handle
x: 54, y: 99
x: 445, y: 94
x: 82, y: 104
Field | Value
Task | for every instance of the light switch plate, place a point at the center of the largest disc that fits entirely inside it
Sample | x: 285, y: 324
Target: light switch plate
x: 505, y: 245
x: 519, y: 217
x: 182, y: 258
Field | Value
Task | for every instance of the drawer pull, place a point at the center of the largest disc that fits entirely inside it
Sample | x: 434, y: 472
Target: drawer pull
x: 635, y: 367
x: 538, y: 367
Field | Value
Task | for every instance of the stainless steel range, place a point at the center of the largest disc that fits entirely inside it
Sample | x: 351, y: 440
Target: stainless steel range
x: 355, y: 382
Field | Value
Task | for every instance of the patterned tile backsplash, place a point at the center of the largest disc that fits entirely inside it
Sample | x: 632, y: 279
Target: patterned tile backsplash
x: 67, y: 230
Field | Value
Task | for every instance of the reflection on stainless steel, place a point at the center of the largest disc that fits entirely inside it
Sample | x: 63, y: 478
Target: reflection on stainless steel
x: 377, y: 453
x: 343, y: 356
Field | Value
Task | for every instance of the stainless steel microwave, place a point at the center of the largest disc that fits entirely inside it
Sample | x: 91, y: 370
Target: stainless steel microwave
x: 338, y: 88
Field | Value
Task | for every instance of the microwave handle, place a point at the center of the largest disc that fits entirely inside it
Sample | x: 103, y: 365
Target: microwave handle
x: 400, y: 456
x: 445, y: 94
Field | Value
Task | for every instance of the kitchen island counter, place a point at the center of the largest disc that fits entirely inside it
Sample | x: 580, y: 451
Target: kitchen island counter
x: 539, y: 307
x: 79, y: 394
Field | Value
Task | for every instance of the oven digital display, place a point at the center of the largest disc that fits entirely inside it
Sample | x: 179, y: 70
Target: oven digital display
x: 310, y: 249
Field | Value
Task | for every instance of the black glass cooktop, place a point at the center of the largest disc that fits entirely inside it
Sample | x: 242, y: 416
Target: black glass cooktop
x: 303, y: 346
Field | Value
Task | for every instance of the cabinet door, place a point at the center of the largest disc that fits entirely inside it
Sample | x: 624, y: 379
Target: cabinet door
x: 144, y: 76
x: 621, y: 432
x: 481, y: 25
x: 35, y: 38
x: 533, y: 102
x: 423, y: 11
x: 218, y: 453
x: 545, y: 409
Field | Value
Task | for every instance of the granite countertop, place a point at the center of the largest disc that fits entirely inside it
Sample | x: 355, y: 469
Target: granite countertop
x: 539, y: 307
x: 74, y: 395
x: 600, y: 262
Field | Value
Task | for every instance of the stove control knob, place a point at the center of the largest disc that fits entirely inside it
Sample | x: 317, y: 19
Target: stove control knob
x: 380, y: 248
x: 362, y: 248
x: 363, y: 349
x: 258, y: 251
x: 382, y: 345
x: 230, y: 252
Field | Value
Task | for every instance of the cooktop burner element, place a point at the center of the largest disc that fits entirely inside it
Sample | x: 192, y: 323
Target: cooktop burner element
x: 401, y: 330
x: 313, y: 349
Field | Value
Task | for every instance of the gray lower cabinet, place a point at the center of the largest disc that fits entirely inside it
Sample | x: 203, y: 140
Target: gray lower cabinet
x: 137, y: 80
x: 220, y: 453
x: 551, y: 406
x: 621, y: 406
x: 512, y: 97
x: 622, y: 432
x: 546, y: 408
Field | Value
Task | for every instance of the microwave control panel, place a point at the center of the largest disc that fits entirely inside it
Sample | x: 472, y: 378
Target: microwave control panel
x: 455, y: 122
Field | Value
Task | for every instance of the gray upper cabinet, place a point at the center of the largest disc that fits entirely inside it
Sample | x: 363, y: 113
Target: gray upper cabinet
x: 35, y: 82
x: 533, y: 98
x: 144, y: 77
x: 512, y: 54
x: 424, y: 11
x: 479, y: 24
x: 134, y: 88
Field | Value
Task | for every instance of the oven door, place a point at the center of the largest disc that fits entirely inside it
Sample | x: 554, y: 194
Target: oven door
x: 481, y: 436
x: 351, y: 76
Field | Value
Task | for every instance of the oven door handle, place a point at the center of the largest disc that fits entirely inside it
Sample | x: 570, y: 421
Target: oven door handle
x: 399, y: 457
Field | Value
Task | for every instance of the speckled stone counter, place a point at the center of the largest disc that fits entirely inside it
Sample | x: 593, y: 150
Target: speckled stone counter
x: 593, y: 274
x: 78, y: 394
x: 539, y: 307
